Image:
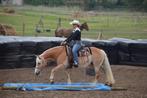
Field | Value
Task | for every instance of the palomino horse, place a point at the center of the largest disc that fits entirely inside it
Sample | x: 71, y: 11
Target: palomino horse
x: 97, y: 57
x: 62, y: 32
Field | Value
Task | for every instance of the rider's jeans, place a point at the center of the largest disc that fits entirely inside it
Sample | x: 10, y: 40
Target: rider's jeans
x: 75, y: 49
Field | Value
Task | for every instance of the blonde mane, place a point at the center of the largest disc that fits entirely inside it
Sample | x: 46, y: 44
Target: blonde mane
x: 52, y: 52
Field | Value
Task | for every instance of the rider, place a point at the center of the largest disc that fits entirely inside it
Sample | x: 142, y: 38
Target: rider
x: 75, y: 37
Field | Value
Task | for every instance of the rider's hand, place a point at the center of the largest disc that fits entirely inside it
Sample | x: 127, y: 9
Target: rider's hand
x: 63, y: 43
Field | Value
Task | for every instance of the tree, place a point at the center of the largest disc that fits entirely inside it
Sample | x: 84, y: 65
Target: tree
x: 144, y: 4
x: 89, y: 4
x: 137, y: 4
x: 45, y: 2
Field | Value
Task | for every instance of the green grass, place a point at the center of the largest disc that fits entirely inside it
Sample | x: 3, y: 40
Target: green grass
x: 124, y: 24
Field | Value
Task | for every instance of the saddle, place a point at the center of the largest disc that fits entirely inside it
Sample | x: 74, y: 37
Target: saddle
x: 82, y: 52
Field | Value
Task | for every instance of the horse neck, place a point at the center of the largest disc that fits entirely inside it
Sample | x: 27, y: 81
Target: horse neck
x: 52, y: 53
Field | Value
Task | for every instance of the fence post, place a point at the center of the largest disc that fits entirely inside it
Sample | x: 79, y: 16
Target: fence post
x: 23, y: 28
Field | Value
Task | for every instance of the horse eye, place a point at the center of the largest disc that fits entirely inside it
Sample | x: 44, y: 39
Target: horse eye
x: 39, y: 63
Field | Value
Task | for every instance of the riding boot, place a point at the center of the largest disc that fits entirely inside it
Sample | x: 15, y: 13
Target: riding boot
x: 75, y: 64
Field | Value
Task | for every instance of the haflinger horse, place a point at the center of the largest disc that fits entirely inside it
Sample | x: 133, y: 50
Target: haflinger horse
x: 63, y: 32
x: 97, y: 58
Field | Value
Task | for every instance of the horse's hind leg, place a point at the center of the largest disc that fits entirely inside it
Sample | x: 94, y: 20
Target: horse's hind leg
x: 97, y: 64
x: 53, y: 72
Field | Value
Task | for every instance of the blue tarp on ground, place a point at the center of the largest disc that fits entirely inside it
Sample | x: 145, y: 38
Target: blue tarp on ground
x: 58, y: 86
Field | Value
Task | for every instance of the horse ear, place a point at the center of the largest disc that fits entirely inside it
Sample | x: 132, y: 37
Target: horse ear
x: 39, y: 57
x: 36, y: 56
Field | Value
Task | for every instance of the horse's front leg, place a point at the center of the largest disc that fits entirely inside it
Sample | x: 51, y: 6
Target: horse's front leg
x: 53, y: 72
x: 68, y: 76
x: 96, y: 75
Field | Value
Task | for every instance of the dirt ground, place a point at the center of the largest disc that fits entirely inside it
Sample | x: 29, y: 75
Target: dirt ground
x: 133, y: 78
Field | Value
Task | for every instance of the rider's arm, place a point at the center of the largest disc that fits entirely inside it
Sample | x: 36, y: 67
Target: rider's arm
x: 69, y: 38
x: 73, y: 36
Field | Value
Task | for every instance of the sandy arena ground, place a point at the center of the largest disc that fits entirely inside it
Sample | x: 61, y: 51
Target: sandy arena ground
x: 130, y: 77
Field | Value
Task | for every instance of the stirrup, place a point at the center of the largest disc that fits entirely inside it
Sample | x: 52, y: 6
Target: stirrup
x: 75, y: 64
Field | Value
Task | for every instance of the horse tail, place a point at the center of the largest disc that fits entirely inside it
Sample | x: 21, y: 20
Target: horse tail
x: 107, y: 70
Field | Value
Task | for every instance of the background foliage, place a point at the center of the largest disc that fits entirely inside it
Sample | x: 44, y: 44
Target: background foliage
x: 94, y: 4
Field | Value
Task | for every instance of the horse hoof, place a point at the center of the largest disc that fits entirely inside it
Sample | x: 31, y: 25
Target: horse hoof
x: 52, y: 82
x: 108, y: 84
